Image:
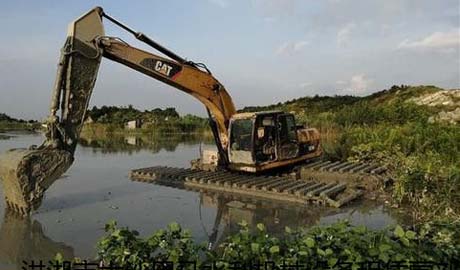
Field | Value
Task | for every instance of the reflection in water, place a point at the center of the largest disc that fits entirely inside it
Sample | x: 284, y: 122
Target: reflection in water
x: 5, y: 137
x: 23, y: 239
x: 134, y: 143
x: 232, y: 209
x: 276, y: 216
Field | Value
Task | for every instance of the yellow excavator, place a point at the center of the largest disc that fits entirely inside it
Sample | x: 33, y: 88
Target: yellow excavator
x: 250, y: 142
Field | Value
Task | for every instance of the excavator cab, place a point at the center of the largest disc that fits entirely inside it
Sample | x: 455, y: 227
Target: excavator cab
x: 264, y: 140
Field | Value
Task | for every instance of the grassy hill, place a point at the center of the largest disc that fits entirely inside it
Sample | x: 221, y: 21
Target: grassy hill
x: 349, y: 110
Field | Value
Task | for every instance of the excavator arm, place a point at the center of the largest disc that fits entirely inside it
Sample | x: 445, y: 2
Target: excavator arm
x: 185, y: 76
x: 27, y: 173
x: 85, y: 46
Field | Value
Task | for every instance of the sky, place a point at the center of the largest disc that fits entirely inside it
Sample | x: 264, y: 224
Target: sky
x: 263, y: 51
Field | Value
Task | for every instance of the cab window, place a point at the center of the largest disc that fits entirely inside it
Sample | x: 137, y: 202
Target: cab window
x: 287, y: 129
x: 241, y: 135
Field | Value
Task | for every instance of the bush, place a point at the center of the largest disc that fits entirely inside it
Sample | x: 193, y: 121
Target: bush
x: 423, y: 160
x: 326, y: 245
x: 124, y: 247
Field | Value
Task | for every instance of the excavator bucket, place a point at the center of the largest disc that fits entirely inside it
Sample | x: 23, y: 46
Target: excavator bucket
x: 27, y: 173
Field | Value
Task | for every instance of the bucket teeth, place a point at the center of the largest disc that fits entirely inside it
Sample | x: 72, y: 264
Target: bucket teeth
x: 20, y: 210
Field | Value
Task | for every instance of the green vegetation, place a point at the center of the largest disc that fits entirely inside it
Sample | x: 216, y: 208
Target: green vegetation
x: 387, y: 128
x: 8, y: 123
x: 334, y: 246
x: 111, y: 119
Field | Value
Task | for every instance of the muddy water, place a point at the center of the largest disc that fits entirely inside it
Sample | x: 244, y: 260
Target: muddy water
x: 97, y: 189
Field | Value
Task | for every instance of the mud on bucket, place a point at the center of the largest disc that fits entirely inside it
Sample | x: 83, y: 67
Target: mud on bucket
x: 27, y: 173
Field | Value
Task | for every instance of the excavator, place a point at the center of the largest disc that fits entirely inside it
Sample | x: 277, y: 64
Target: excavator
x: 246, y: 142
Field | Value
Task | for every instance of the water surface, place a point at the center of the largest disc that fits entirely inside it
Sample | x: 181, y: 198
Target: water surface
x: 97, y: 189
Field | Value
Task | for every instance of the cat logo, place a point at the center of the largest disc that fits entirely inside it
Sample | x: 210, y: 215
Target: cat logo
x: 163, y: 68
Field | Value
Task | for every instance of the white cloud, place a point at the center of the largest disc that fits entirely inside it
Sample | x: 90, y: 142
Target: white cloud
x: 438, y: 40
x: 291, y: 47
x: 220, y: 3
x: 358, y: 84
x: 305, y: 84
x: 343, y: 35
x: 300, y: 44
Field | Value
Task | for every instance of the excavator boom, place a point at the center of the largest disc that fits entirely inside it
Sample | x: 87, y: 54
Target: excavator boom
x: 185, y: 77
x: 27, y: 173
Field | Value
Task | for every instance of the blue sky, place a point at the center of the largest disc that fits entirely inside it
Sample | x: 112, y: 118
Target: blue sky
x: 263, y: 51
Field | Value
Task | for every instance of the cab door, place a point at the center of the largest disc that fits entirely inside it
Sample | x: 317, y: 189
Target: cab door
x: 288, y: 146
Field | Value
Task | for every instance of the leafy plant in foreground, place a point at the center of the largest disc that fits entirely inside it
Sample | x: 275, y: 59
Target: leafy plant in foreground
x: 330, y: 245
x: 123, y: 247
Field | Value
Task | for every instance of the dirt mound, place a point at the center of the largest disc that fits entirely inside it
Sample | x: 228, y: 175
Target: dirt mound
x: 440, y: 98
x: 447, y: 101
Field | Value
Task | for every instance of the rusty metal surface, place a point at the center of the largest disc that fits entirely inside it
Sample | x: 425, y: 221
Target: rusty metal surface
x: 342, y: 171
x: 279, y: 188
x: 367, y: 179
